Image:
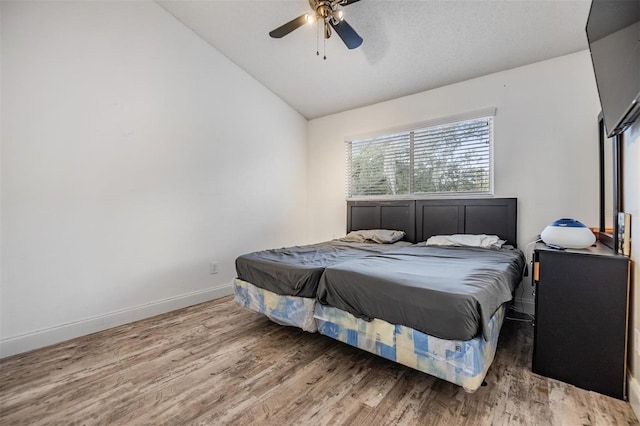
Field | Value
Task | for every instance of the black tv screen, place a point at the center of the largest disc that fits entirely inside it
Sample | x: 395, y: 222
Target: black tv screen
x: 613, y: 31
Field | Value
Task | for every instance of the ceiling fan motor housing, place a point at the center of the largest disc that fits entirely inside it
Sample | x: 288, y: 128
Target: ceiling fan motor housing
x: 331, y: 14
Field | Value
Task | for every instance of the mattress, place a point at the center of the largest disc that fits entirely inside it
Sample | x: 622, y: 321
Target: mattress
x: 446, y: 292
x: 296, y: 271
x: 462, y: 362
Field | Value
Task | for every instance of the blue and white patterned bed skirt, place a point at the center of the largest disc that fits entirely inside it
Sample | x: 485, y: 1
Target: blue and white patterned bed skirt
x: 376, y: 336
x: 283, y: 310
x: 464, y: 363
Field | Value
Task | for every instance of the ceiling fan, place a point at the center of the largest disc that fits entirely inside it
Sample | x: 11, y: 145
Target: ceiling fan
x: 330, y: 13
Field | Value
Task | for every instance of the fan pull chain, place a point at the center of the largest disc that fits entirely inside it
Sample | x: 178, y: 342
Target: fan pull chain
x: 317, y: 38
x: 324, y: 48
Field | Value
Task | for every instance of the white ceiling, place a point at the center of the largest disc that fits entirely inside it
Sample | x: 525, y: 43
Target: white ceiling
x: 409, y: 46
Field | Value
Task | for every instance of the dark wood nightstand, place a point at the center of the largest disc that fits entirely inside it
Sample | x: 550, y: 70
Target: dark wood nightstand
x: 582, y: 310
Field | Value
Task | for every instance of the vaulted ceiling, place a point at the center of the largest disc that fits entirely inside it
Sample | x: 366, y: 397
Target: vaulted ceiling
x: 409, y: 46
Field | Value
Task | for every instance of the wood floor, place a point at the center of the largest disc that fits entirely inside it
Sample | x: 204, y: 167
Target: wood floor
x: 217, y: 363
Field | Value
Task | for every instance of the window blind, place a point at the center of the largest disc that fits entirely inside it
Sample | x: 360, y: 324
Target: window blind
x: 455, y: 157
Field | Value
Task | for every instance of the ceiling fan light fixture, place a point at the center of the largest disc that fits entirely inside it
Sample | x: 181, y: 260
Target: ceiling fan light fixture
x: 329, y: 12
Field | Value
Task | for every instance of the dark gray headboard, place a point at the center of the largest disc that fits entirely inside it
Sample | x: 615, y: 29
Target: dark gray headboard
x: 399, y: 215
x: 493, y: 216
x: 421, y: 219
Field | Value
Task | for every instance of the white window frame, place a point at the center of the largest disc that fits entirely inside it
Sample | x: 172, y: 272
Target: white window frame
x: 488, y: 113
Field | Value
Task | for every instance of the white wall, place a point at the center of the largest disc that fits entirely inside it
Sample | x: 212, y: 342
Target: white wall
x: 133, y: 155
x: 546, y: 143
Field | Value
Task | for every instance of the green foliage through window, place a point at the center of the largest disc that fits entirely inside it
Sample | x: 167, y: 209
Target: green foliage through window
x: 446, y: 158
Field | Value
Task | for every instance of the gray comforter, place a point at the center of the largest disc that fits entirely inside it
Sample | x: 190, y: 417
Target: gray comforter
x: 447, y: 292
x: 296, y: 271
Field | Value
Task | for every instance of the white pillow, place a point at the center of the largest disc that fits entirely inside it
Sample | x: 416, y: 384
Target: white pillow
x: 466, y: 240
x: 382, y: 236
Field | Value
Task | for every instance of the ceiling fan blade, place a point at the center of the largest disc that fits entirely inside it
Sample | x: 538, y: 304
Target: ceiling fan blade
x: 289, y: 26
x: 348, y: 2
x: 347, y: 34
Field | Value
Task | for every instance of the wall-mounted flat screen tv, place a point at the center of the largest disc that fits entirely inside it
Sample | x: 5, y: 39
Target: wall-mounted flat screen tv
x: 613, y: 31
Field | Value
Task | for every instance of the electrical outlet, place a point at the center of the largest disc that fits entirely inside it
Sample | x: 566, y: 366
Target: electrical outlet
x: 213, y: 268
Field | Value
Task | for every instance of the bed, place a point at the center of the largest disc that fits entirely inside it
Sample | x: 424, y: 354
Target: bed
x: 282, y: 283
x: 419, y: 332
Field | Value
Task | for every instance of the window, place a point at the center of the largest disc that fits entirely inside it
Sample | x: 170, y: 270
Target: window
x: 448, y: 157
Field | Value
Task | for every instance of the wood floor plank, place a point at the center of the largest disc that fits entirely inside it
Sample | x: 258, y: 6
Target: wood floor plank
x: 402, y: 402
x: 306, y: 388
x: 609, y: 411
x: 217, y: 363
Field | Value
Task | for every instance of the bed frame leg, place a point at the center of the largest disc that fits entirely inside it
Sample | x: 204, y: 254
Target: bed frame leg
x: 467, y: 390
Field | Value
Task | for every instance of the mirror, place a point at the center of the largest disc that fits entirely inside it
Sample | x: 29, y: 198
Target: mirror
x: 610, y: 186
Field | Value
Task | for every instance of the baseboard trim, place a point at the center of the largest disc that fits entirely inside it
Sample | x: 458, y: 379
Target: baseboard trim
x: 59, y: 333
x: 634, y: 395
